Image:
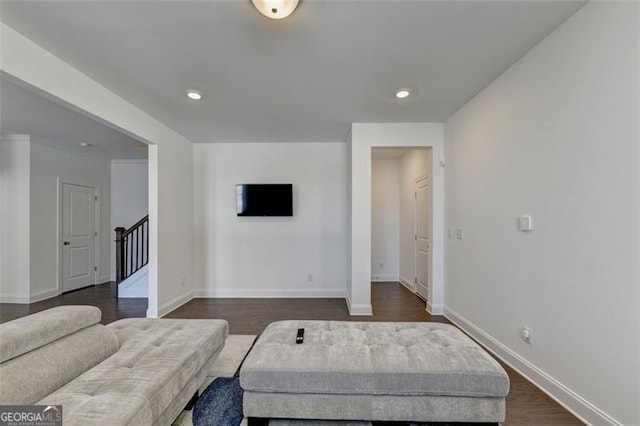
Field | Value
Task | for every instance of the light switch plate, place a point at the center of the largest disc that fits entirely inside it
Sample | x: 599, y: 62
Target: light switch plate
x: 525, y: 223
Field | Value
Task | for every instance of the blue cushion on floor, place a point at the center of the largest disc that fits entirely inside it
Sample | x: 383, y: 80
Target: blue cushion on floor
x: 220, y: 404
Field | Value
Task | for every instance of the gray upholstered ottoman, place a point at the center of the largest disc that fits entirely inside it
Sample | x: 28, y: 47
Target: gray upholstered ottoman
x: 425, y: 372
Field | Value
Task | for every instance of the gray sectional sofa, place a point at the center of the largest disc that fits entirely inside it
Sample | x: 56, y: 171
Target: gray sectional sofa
x: 134, y: 371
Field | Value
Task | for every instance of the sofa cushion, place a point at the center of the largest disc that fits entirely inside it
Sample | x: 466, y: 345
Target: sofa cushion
x: 28, y: 378
x: 157, y: 358
x: 33, y: 331
x: 371, y: 358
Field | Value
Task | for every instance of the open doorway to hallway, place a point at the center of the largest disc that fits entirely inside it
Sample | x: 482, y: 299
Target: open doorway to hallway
x: 130, y: 227
x: 401, y: 217
x: 57, y: 166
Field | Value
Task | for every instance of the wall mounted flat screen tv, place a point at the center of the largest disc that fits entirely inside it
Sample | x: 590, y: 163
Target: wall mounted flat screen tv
x: 265, y: 199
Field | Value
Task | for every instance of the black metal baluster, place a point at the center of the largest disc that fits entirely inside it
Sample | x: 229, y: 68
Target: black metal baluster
x: 143, y: 262
x: 137, y: 244
x: 126, y: 250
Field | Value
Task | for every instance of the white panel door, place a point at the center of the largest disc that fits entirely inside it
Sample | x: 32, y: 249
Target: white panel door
x: 423, y: 237
x: 78, y: 236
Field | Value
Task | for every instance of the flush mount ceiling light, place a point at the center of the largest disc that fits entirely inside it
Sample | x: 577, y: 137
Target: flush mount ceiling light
x: 403, y: 93
x: 85, y: 144
x: 275, y: 9
x: 194, y: 94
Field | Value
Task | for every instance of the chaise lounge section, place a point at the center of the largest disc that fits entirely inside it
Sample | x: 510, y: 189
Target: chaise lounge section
x: 133, y: 371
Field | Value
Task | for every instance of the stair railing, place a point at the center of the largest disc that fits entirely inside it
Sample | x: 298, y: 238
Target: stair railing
x: 132, y: 249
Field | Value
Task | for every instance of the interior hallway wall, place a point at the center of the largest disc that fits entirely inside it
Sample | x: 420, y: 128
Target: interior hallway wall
x: 33, y: 169
x: 15, y: 175
x: 556, y: 137
x: 48, y: 164
x: 385, y: 219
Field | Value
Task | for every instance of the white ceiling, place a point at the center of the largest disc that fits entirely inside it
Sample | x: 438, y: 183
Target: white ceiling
x: 304, y: 78
x: 25, y: 112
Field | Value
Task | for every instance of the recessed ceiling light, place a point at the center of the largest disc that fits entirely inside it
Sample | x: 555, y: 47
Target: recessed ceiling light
x: 85, y: 144
x: 402, y: 93
x: 194, y: 94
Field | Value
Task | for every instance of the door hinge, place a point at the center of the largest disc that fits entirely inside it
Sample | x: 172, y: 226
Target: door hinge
x: 415, y: 194
x: 415, y: 280
x: 95, y: 268
x: 95, y: 197
x: 95, y: 233
x: 415, y: 237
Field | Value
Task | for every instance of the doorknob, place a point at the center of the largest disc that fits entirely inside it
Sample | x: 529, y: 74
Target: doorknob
x: 66, y: 243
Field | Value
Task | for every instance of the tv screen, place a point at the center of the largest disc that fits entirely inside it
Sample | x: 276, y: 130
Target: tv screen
x: 266, y: 199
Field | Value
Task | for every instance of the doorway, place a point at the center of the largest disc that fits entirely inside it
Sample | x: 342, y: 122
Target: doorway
x: 129, y: 214
x: 78, y: 235
x: 401, y: 216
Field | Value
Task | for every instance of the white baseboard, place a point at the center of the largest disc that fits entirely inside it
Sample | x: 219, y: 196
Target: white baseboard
x: 15, y: 298
x: 388, y: 278
x: 408, y: 284
x: 171, y: 305
x: 358, y: 309
x: 25, y: 299
x: 434, y: 309
x: 142, y: 161
x: 269, y: 293
x: 44, y: 294
x: 570, y: 400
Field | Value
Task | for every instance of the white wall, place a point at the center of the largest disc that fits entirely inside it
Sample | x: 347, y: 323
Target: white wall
x: 49, y: 164
x: 129, y: 197
x: 556, y: 137
x: 170, y: 161
x: 270, y: 257
x: 30, y: 172
x: 414, y: 164
x: 385, y: 219
x: 14, y: 219
x: 365, y: 136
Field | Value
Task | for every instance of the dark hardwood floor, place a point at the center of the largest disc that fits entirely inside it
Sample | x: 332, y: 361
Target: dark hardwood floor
x: 103, y: 296
x: 391, y: 302
x: 526, y: 404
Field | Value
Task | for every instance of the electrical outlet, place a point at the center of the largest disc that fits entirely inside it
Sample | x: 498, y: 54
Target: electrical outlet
x: 309, y: 277
x: 459, y: 233
x: 381, y: 265
x: 525, y: 334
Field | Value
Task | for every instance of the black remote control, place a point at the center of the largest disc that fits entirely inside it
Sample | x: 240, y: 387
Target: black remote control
x: 300, y: 336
